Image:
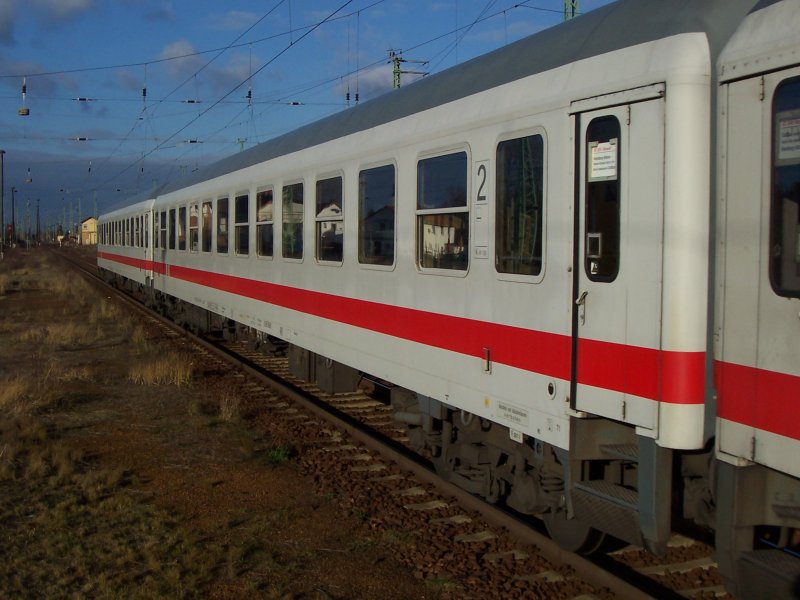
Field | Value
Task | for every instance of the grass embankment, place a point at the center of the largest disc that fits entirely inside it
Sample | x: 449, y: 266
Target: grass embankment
x: 69, y: 526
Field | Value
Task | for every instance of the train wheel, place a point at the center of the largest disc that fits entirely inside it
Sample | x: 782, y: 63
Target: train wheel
x: 572, y: 534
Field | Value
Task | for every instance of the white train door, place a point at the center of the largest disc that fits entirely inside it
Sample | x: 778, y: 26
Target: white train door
x: 618, y: 259
x: 147, y: 242
x: 757, y: 369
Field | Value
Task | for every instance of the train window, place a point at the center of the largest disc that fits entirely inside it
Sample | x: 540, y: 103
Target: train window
x: 194, y: 227
x: 157, y: 230
x: 241, y: 223
x: 601, y: 250
x: 206, y: 230
x: 146, y: 230
x: 137, y: 232
x: 172, y: 229
x: 785, y: 203
x: 293, y: 221
x: 222, y: 225
x: 520, y: 206
x: 264, y: 216
x: 376, y: 201
x: 442, y: 213
x: 330, y: 220
x: 182, y: 228
x: 163, y: 230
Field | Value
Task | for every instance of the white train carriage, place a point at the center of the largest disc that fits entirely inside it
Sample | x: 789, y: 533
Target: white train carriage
x: 124, y: 244
x: 757, y: 316
x: 522, y: 245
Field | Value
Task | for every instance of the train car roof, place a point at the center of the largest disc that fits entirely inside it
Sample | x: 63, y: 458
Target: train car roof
x: 615, y: 26
x: 132, y: 202
x: 765, y: 41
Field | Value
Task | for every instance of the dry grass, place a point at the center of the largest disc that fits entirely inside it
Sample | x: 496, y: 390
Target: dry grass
x: 69, y: 525
x: 170, y: 368
x: 229, y: 407
x: 15, y: 396
x: 60, y: 373
x: 63, y: 334
x: 72, y: 527
x: 104, y: 310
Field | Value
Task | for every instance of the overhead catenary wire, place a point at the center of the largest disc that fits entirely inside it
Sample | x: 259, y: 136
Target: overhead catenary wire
x: 212, y: 106
x: 164, y: 142
x: 155, y: 61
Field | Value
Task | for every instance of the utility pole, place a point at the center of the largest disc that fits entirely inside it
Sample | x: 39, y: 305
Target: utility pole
x: 396, y: 59
x: 571, y: 9
x: 2, y: 207
x: 13, y: 241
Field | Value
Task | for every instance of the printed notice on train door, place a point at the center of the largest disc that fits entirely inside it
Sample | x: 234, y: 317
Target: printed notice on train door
x: 603, y: 160
x: 788, y: 138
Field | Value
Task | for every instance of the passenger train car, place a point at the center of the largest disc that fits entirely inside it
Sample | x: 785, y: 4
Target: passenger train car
x: 577, y: 260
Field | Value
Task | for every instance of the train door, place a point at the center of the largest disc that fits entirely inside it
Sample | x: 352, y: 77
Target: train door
x: 147, y: 242
x: 619, y: 161
x: 757, y: 370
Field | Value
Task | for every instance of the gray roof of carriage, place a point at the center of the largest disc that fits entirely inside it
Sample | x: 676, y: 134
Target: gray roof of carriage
x: 612, y: 27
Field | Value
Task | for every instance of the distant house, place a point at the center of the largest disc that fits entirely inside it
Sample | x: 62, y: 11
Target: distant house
x: 89, y: 231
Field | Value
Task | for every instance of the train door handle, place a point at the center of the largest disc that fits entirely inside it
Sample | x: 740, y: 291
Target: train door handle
x: 581, y: 302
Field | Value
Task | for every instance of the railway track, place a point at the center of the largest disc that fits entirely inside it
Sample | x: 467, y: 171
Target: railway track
x: 354, y: 450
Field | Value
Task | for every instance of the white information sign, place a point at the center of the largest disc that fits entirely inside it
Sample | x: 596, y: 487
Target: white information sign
x: 513, y: 413
x: 788, y: 141
x: 603, y: 160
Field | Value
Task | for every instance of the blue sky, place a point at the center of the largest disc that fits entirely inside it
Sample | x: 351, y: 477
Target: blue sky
x: 91, y: 137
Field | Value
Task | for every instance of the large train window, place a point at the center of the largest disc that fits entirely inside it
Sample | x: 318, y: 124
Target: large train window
x: 442, y: 212
x: 264, y: 221
x: 330, y: 220
x: 194, y: 227
x: 376, y: 200
x: 242, y: 223
x: 182, y: 228
x: 520, y: 206
x: 172, y: 229
x: 292, y: 238
x: 207, y: 219
x: 785, y: 205
x: 222, y: 225
x: 163, y: 230
x: 601, y: 249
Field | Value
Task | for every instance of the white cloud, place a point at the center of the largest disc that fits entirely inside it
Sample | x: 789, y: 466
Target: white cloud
x: 184, y: 64
x: 373, y: 82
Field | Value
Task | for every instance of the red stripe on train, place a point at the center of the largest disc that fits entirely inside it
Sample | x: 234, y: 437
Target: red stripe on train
x: 758, y: 398
x: 642, y: 372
